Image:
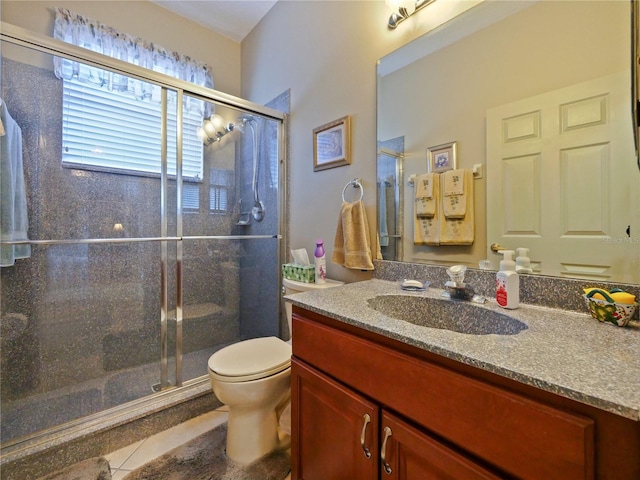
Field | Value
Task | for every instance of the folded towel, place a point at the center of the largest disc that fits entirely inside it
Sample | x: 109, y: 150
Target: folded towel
x: 454, y: 193
x: 424, y: 185
x: 459, y: 231
x: 14, y: 221
x: 453, y: 182
x: 426, y: 195
x: 383, y: 231
x: 352, y: 244
x: 426, y: 231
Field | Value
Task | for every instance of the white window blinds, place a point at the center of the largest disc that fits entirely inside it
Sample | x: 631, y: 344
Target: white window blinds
x: 111, y: 132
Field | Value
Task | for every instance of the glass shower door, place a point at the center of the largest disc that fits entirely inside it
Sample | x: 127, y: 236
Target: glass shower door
x: 80, y: 316
x: 230, y: 279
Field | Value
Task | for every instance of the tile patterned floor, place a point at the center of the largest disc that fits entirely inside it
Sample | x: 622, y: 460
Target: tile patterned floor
x: 129, y: 458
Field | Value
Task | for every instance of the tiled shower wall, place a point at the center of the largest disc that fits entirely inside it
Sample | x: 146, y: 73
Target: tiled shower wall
x: 81, y: 322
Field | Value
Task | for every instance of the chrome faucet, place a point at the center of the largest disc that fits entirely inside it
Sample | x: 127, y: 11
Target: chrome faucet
x: 457, y: 289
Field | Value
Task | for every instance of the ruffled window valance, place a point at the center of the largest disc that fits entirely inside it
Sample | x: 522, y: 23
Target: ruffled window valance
x: 87, y: 33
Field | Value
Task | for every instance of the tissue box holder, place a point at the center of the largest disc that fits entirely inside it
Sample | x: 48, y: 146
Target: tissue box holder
x: 306, y: 274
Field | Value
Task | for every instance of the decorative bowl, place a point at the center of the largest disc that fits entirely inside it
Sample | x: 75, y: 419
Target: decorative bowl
x: 614, y: 313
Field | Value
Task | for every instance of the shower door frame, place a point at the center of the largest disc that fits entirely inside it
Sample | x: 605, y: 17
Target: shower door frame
x: 21, y: 37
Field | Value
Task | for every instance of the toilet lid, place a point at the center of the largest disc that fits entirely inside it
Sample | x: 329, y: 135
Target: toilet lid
x: 250, y: 357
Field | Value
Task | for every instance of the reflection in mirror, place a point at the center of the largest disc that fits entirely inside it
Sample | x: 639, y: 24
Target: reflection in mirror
x: 390, y: 198
x: 635, y: 68
x: 562, y: 181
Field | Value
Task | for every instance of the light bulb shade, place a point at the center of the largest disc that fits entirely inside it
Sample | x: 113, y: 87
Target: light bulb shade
x: 209, y: 129
x: 218, y: 124
x: 202, y: 135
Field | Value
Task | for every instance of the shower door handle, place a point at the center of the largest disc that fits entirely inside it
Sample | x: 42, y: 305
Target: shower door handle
x: 363, y: 434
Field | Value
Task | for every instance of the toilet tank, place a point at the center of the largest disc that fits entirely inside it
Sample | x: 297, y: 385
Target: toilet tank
x: 293, y: 286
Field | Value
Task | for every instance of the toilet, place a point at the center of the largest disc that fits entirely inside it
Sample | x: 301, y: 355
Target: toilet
x: 252, y: 378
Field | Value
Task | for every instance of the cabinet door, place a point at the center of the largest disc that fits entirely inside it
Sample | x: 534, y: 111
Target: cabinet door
x: 334, y: 430
x: 409, y: 454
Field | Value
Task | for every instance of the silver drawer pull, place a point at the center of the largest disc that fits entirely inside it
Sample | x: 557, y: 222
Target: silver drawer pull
x: 387, y: 434
x: 367, y: 452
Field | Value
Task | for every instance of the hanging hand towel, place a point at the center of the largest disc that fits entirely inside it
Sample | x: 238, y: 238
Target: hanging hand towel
x: 460, y: 231
x: 14, y: 221
x: 454, y: 194
x: 426, y: 198
x: 352, y: 244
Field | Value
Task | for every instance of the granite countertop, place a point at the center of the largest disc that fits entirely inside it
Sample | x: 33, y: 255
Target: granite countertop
x: 563, y: 352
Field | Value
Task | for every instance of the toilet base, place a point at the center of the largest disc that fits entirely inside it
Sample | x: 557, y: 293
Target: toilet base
x: 251, y: 435
x: 254, y: 413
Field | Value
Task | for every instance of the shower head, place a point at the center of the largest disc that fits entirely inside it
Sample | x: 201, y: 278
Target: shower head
x: 245, y: 118
x: 242, y: 121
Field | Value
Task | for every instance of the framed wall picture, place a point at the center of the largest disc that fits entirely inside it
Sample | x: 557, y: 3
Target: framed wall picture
x: 331, y: 145
x: 442, y: 157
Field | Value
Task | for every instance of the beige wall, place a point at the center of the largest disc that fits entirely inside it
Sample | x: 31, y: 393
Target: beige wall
x: 326, y: 52
x: 143, y: 19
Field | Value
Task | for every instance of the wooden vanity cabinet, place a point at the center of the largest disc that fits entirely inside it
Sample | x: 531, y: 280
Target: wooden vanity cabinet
x: 334, y: 428
x: 446, y: 419
x: 339, y: 436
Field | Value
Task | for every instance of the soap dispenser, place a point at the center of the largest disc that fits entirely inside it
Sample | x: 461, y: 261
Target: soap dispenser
x: 523, y: 262
x: 507, y: 282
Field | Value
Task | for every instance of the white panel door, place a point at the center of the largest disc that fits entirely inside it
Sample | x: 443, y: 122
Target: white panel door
x: 560, y: 169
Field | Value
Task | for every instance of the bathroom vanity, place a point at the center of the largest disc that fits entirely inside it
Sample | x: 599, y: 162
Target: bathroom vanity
x: 377, y: 397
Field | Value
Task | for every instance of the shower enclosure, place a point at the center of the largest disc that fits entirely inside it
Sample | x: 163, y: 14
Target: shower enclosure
x: 390, y: 190
x: 137, y: 272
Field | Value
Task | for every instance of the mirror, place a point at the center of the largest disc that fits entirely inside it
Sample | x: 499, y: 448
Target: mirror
x: 452, y: 85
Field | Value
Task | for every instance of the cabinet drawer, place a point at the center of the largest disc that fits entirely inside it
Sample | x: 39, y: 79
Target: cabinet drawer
x: 520, y: 436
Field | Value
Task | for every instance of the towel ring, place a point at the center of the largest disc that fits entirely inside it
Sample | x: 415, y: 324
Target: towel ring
x: 356, y: 184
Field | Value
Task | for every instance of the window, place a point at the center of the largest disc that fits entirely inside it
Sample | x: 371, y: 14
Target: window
x: 112, y: 122
x: 109, y: 131
x: 191, y: 197
x: 220, y: 190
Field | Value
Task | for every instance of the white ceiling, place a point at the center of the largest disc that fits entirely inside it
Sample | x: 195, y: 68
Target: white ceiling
x: 232, y: 18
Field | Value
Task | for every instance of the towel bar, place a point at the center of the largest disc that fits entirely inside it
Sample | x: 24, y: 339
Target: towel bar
x: 356, y: 184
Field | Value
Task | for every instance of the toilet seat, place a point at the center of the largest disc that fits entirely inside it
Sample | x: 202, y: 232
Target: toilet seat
x: 250, y: 360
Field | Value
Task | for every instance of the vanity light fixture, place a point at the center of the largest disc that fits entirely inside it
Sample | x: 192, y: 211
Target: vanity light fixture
x: 213, y: 129
x: 403, y: 9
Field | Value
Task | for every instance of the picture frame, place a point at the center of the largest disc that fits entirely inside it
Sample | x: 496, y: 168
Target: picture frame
x: 442, y: 157
x: 332, y: 144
